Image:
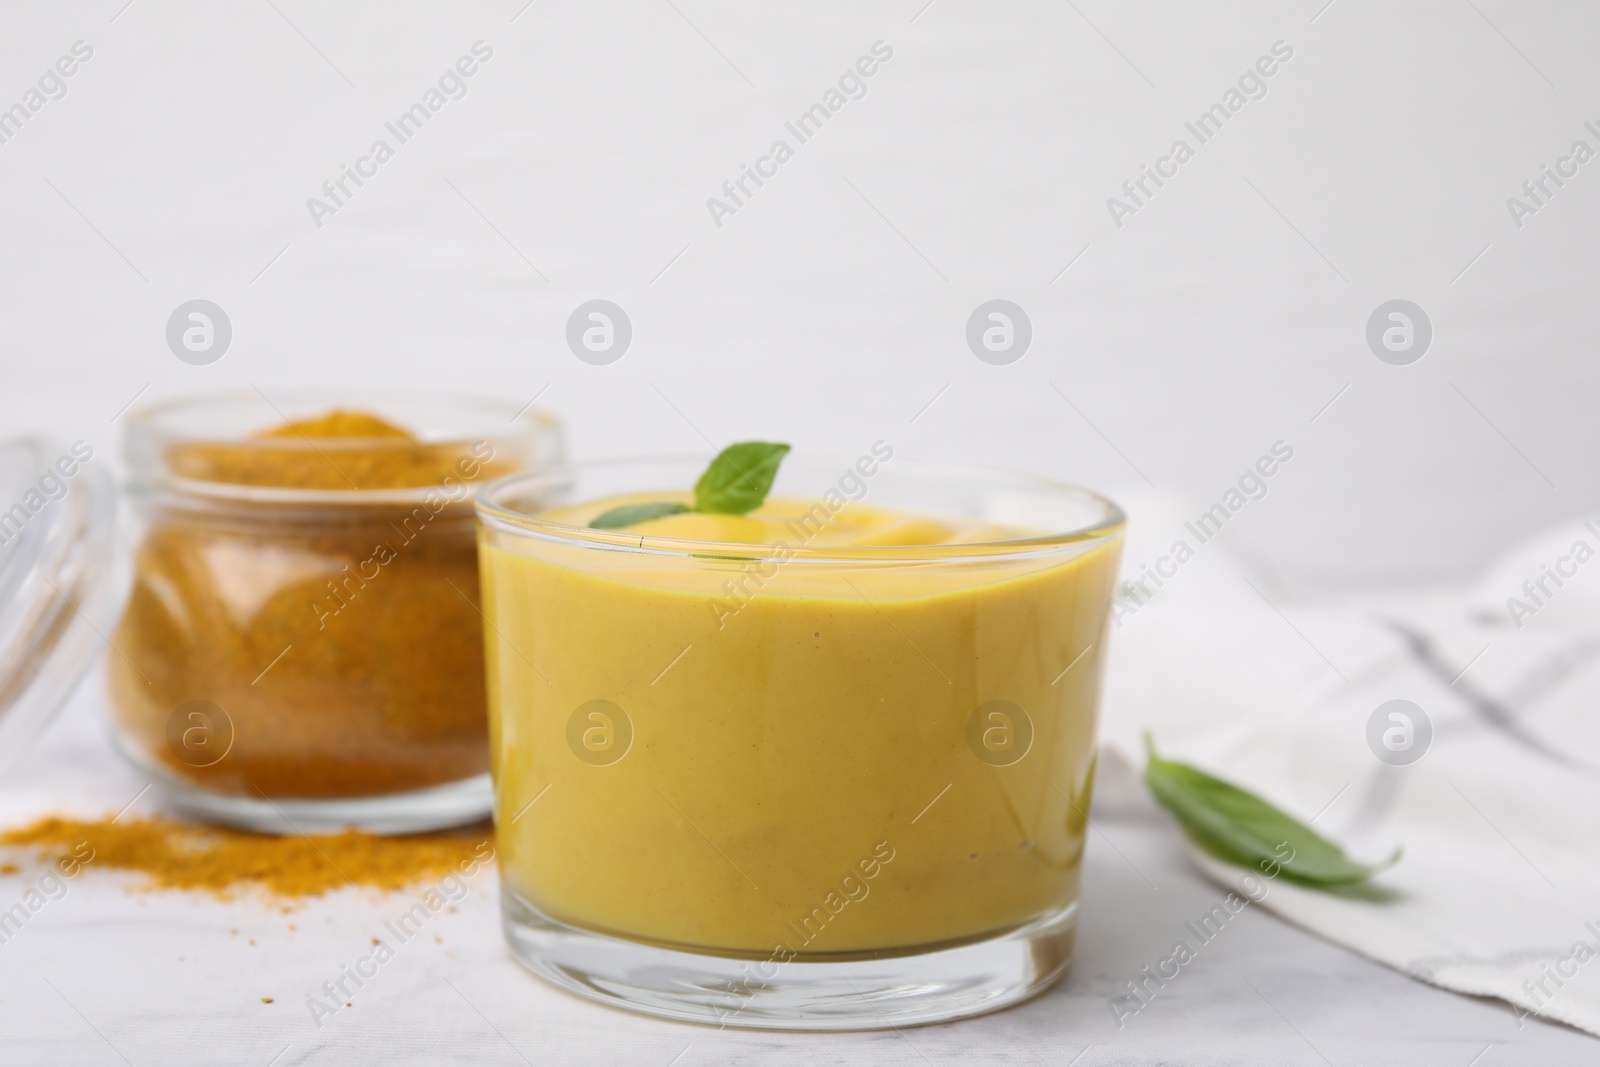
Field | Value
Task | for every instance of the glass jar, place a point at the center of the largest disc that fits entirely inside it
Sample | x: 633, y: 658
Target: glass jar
x: 57, y: 580
x: 302, y: 646
x: 796, y: 786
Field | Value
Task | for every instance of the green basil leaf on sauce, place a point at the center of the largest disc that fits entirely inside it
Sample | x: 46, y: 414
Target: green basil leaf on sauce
x: 628, y: 514
x: 736, y: 483
x: 738, y: 480
x: 1238, y: 827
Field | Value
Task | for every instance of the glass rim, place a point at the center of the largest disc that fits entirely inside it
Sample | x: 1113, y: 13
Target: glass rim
x: 154, y: 426
x: 493, y: 513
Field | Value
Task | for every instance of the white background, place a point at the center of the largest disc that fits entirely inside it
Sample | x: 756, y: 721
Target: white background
x: 828, y: 312
x: 1213, y: 323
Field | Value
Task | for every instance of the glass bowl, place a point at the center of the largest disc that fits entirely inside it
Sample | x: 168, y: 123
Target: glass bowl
x: 804, y: 785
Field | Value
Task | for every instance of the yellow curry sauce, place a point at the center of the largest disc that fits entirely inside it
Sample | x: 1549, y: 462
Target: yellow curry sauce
x: 803, y: 774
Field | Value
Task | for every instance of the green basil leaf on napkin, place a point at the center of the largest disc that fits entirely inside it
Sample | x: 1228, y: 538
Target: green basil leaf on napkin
x: 628, y: 514
x: 739, y: 479
x: 1239, y: 827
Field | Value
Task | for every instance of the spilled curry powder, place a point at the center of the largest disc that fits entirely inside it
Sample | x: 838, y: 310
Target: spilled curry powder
x: 224, y: 863
x: 338, y: 632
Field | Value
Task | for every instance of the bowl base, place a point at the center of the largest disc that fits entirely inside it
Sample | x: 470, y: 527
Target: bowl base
x: 909, y: 988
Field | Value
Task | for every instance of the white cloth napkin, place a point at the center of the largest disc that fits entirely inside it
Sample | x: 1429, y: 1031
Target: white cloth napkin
x: 1498, y: 891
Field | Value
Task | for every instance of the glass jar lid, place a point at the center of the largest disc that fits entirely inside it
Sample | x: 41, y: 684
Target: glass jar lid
x: 57, y: 597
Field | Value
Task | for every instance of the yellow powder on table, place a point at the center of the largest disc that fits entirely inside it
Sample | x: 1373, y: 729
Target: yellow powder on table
x: 224, y: 863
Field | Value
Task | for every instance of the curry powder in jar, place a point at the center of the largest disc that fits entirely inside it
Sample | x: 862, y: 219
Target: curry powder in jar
x: 302, y: 648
